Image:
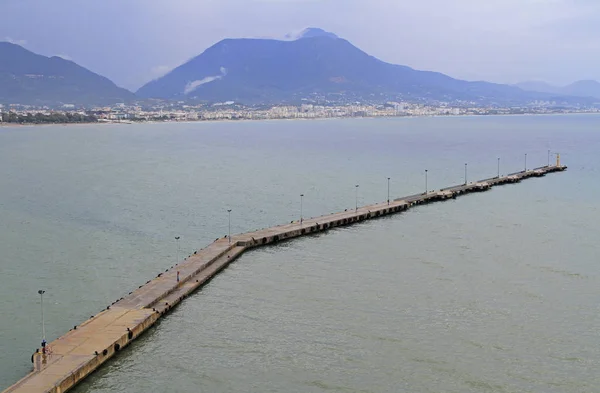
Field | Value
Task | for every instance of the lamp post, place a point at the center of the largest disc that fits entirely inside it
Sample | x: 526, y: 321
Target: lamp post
x: 229, y: 225
x: 525, y: 162
x: 388, y: 200
x: 465, y: 173
x: 426, y: 189
x: 177, y: 257
x: 548, y: 157
x: 356, y: 205
x: 301, y: 207
x: 41, y: 292
x: 498, y: 167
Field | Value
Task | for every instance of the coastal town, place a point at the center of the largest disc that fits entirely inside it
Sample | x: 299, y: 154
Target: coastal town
x: 122, y: 113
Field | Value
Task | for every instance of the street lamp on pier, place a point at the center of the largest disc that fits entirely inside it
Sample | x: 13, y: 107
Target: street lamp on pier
x: 356, y: 205
x: 301, y: 207
x: 388, y: 200
x: 41, y: 292
x: 229, y: 225
x: 498, y: 167
x: 177, y: 257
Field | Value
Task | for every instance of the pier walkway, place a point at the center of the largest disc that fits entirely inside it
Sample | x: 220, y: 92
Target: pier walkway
x: 84, y: 348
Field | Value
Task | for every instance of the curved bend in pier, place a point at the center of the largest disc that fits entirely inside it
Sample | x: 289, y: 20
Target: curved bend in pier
x: 86, y: 347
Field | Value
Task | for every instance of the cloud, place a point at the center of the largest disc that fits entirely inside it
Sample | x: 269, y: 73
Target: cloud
x: 190, y: 87
x: 160, y: 70
x: 16, y: 42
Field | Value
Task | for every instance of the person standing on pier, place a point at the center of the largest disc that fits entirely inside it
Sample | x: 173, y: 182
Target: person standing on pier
x: 177, y: 275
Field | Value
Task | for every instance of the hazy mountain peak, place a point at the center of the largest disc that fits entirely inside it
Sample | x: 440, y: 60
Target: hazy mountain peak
x: 585, y: 82
x: 30, y: 78
x: 538, y: 86
x: 582, y: 88
x: 309, y: 32
x: 314, y: 64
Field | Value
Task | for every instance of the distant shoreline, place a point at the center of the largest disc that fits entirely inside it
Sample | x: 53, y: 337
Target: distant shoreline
x: 19, y: 125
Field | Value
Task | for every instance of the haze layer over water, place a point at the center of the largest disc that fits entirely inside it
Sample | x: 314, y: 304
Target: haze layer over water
x: 492, y: 292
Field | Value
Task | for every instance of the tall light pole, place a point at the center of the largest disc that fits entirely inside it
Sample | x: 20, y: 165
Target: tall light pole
x: 301, y: 207
x: 498, y: 167
x: 426, y: 189
x: 388, y: 191
x: 525, y: 162
x: 229, y: 225
x: 177, y: 240
x: 356, y: 205
x: 465, y: 173
x: 41, y: 292
x: 548, y: 157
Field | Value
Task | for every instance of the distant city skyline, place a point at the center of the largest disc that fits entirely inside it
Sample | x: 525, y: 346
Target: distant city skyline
x: 504, y: 41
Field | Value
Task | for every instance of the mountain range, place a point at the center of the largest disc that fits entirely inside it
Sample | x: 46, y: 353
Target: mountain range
x: 31, y: 79
x: 314, y: 64
x: 584, y: 88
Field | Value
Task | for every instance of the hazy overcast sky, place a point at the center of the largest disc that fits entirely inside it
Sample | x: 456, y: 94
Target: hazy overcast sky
x: 134, y: 41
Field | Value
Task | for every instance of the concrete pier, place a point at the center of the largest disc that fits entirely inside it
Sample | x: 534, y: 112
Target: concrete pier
x: 73, y: 356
